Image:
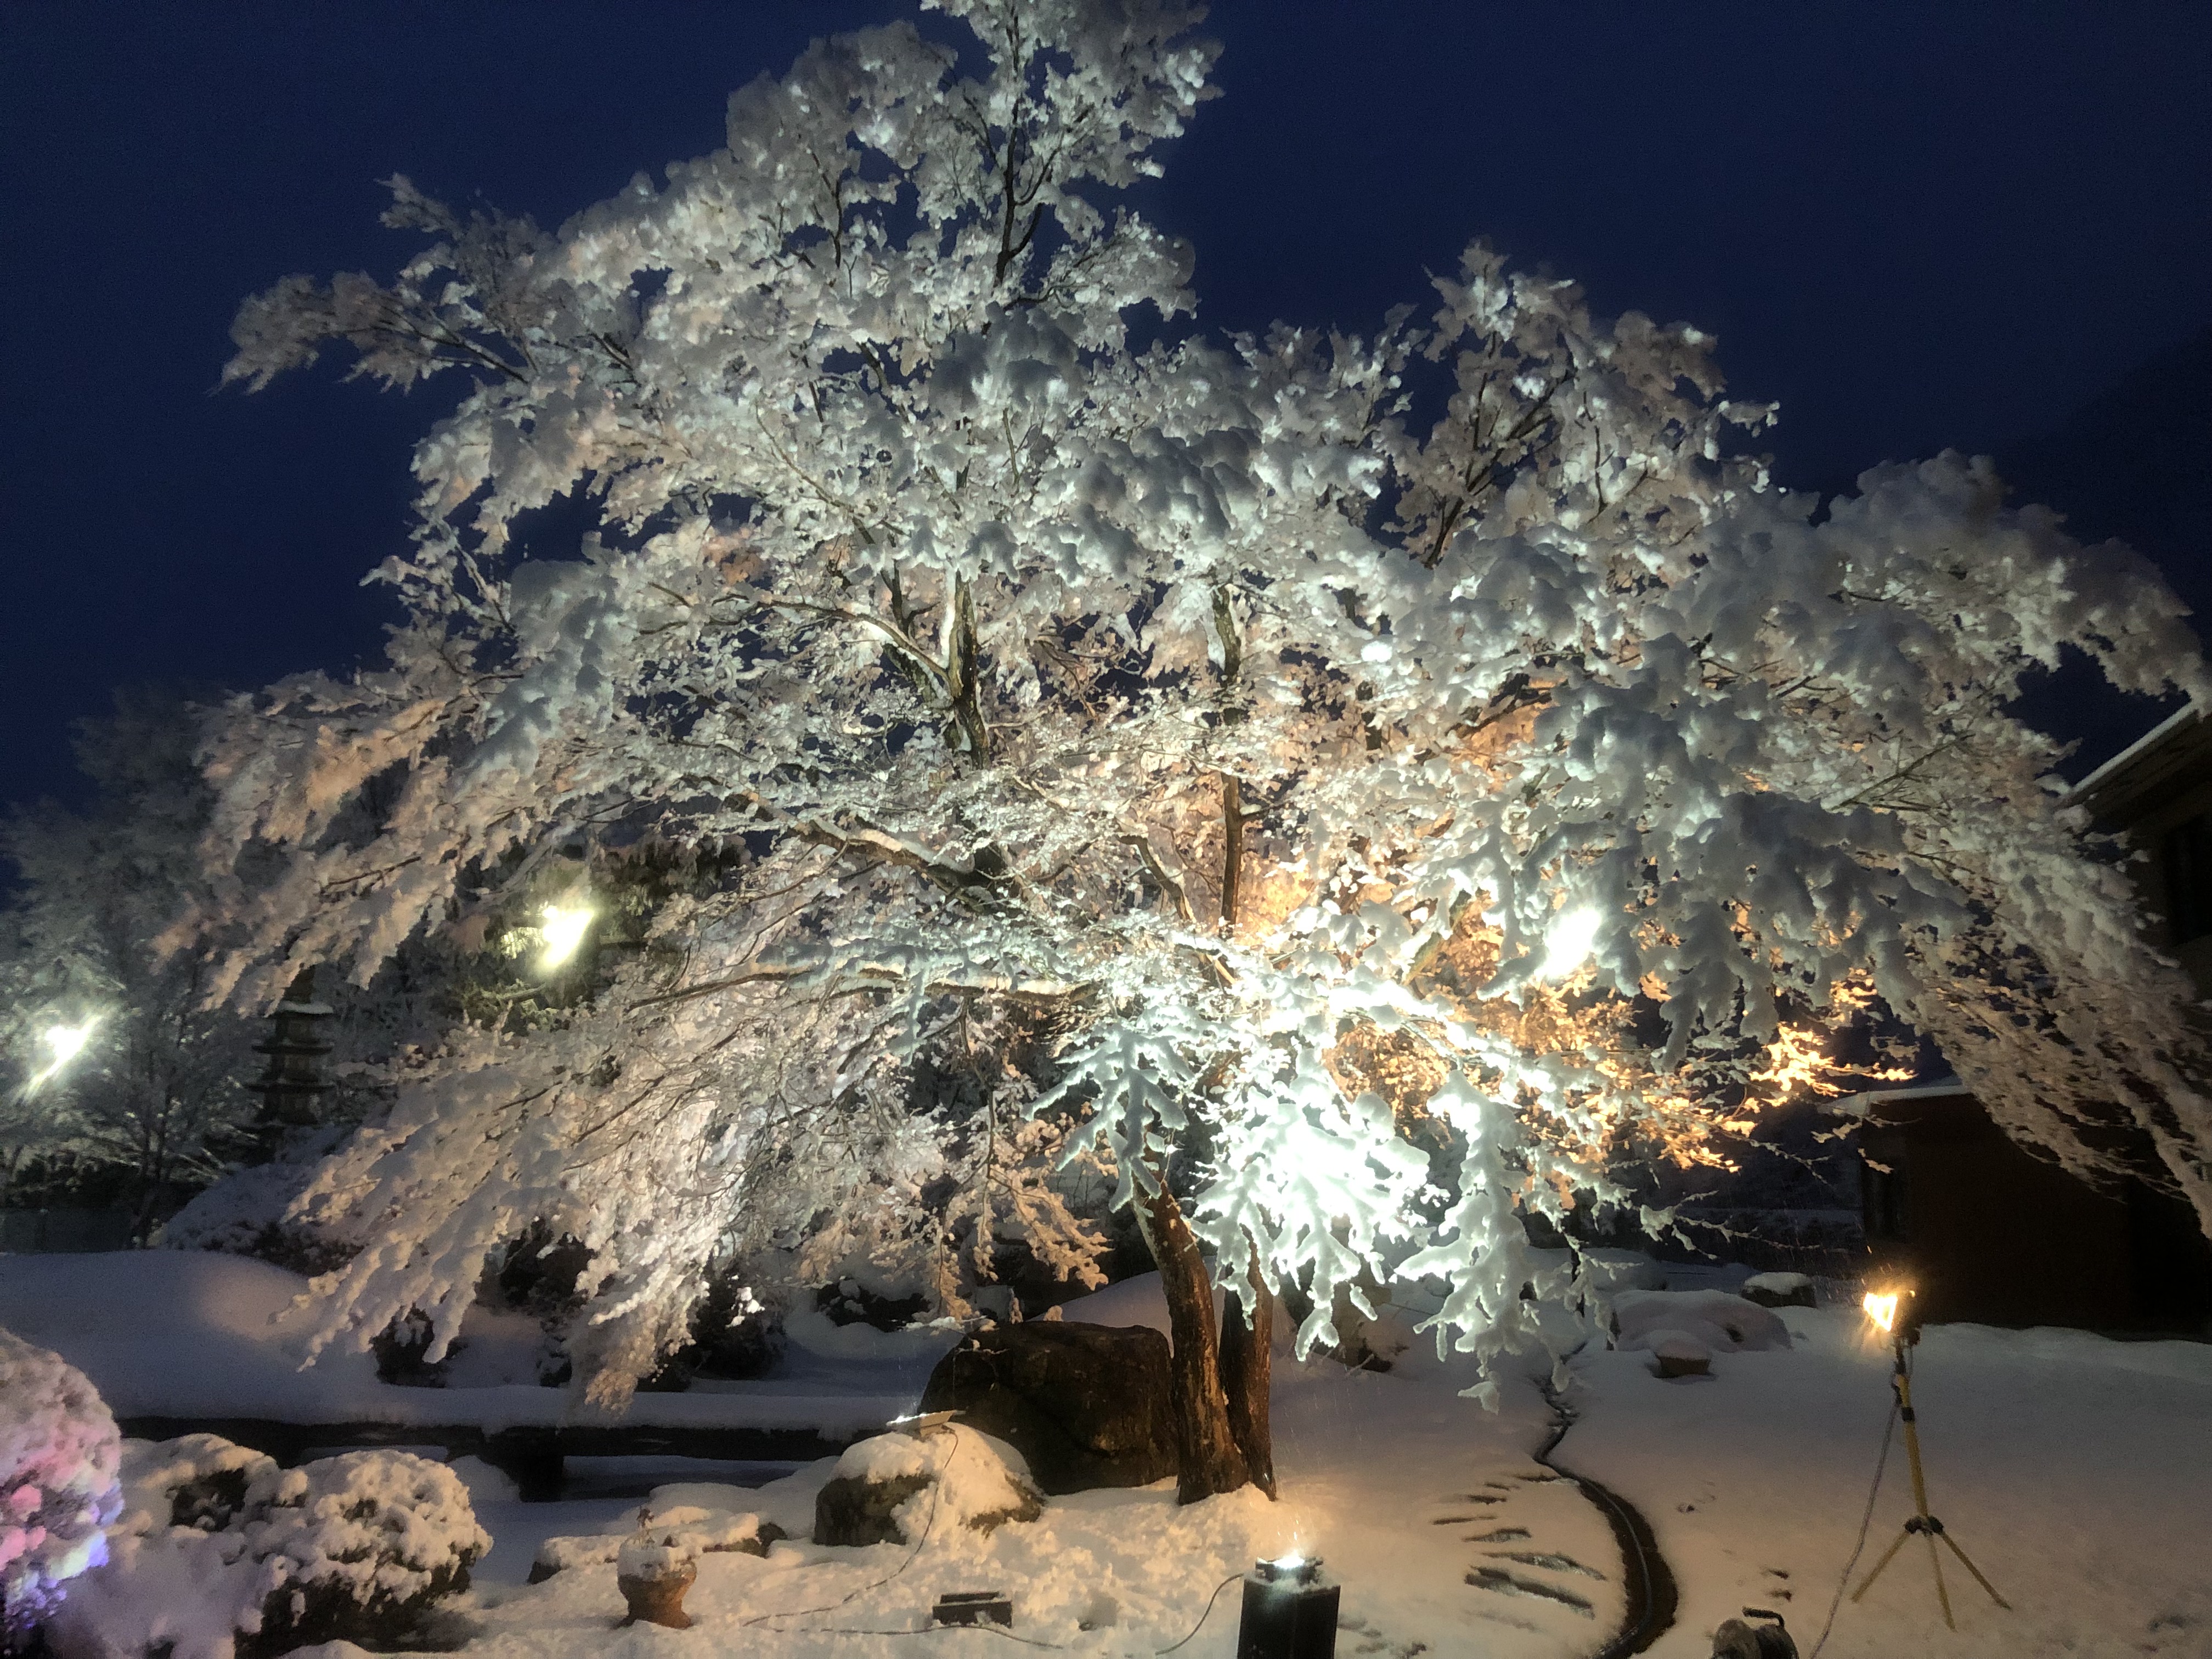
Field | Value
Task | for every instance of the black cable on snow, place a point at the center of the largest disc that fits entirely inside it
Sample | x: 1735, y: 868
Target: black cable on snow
x: 1646, y: 1579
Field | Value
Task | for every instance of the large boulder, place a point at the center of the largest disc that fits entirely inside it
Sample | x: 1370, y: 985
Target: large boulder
x: 1087, y: 1405
x: 1722, y: 1322
x: 901, y: 1487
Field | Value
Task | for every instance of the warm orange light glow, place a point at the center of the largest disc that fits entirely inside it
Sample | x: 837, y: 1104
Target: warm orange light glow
x: 1882, y: 1310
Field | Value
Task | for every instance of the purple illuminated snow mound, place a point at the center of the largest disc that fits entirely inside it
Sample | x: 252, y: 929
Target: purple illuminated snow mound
x: 59, y: 1454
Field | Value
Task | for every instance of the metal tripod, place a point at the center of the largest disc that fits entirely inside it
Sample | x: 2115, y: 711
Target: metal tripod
x: 1921, y: 1522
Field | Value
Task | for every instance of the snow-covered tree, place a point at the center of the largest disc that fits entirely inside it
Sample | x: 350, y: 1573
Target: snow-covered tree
x: 1402, y: 770
x: 124, y: 1078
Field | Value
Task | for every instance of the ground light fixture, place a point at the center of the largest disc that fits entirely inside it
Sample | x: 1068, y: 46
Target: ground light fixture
x: 1894, y: 1315
x: 1289, y: 1613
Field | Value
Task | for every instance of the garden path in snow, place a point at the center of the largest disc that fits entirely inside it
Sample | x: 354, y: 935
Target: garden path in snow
x: 2076, y: 1471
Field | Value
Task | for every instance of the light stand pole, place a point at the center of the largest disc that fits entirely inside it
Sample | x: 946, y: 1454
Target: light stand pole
x: 1920, y: 1520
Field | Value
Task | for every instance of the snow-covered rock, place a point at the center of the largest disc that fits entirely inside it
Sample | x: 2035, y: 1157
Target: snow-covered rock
x: 59, y: 1461
x: 1722, y: 1322
x: 1778, y: 1290
x: 688, y: 1528
x: 1679, y: 1353
x: 1087, y: 1406
x: 897, y: 1486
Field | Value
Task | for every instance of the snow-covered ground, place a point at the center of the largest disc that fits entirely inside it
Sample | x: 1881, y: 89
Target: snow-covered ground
x: 1400, y: 1486
x: 2076, y: 1472
x: 195, y: 1333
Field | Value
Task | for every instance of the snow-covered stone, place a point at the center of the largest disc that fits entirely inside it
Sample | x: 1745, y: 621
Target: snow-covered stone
x: 901, y: 1487
x: 1085, y: 1405
x: 1679, y: 1353
x: 1778, y: 1290
x: 1722, y: 1322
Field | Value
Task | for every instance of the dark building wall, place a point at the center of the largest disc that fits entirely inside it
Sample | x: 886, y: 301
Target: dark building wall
x: 1988, y: 1233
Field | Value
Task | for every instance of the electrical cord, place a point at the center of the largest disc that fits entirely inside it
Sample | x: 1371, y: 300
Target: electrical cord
x: 1029, y: 1641
x: 1888, y: 1431
x: 1203, y: 1617
x: 928, y: 1528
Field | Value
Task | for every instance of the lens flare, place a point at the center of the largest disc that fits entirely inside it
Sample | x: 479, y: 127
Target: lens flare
x: 563, y: 926
x: 66, y: 1042
x: 1569, y: 942
x: 1882, y: 1310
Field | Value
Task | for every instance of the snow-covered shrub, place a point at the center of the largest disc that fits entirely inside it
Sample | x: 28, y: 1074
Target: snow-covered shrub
x: 220, y: 1554
x: 198, y: 1482
x: 59, y: 1457
x: 364, y: 1542
x: 252, y: 1212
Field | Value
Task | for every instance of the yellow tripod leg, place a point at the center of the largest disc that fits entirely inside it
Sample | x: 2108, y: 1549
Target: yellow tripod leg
x: 1977, y: 1571
x: 1943, y: 1595
x: 1887, y: 1555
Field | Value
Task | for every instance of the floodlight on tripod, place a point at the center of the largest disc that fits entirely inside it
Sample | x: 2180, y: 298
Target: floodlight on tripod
x: 1896, y: 1315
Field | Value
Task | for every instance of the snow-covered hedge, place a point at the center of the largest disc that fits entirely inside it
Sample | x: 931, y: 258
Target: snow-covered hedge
x: 222, y: 1555
x: 255, y: 1212
x: 59, y: 1458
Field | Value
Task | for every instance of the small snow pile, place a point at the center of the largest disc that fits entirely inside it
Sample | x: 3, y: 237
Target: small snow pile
x: 222, y: 1555
x: 903, y: 1486
x: 1722, y: 1322
x: 59, y: 1458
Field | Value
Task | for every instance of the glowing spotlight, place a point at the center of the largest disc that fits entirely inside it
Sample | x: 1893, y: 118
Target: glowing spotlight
x: 563, y: 926
x: 1569, y: 942
x: 1882, y: 1310
x: 67, y: 1042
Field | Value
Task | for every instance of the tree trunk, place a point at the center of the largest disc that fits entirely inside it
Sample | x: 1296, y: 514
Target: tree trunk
x: 1211, y: 1459
x: 1246, y: 1372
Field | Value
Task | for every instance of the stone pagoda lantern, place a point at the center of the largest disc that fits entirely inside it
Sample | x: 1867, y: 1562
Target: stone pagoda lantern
x: 295, y: 1049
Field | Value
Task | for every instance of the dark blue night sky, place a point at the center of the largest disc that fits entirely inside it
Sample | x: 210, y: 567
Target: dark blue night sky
x: 1916, y: 226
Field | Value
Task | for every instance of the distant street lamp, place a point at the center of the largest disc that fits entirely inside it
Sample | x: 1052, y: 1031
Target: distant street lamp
x: 67, y: 1042
x: 563, y: 926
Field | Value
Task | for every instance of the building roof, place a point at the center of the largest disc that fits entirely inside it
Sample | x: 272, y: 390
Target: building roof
x: 1862, y: 1104
x: 2172, y: 756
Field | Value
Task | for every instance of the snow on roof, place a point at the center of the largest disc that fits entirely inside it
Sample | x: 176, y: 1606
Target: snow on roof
x: 2187, y: 715
x: 1860, y: 1105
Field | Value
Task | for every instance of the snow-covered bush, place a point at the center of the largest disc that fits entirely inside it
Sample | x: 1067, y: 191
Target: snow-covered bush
x: 198, y: 1482
x: 220, y: 1554
x: 59, y: 1455
x: 251, y: 1212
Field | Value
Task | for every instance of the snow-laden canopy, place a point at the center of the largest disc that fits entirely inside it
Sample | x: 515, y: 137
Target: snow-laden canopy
x: 1395, y: 771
